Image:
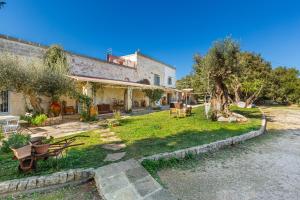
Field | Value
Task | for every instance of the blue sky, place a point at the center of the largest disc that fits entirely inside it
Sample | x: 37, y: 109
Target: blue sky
x: 169, y: 30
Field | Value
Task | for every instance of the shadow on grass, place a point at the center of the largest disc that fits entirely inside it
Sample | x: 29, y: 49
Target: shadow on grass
x: 180, y: 140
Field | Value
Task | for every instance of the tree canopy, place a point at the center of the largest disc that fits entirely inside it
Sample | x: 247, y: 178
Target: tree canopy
x: 215, y: 68
x: 35, y: 78
x: 232, y: 75
x: 284, y: 85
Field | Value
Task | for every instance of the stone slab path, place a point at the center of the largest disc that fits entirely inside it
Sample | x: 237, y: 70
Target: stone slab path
x: 128, y: 180
x: 64, y: 129
x: 114, y: 147
x: 111, y: 157
x: 113, y: 144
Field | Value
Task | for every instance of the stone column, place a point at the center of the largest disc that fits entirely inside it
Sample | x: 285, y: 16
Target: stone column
x: 88, y: 90
x: 128, y: 99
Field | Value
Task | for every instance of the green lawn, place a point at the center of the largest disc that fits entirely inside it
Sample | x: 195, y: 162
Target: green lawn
x: 158, y: 132
x: 144, y: 135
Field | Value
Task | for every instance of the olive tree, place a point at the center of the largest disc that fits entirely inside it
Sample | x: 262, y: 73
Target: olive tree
x: 153, y: 95
x: 250, y: 78
x: 216, y: 67
x: 35, y: 78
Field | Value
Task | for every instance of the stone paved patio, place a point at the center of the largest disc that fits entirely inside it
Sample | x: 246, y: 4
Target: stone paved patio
x: 64, y: 129
x: 128, y: 180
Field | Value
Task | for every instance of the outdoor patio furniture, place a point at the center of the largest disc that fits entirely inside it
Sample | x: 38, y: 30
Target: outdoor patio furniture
x: 69, y: 110
x: 118, y: 104
x: 103, y: 108
x: 173, y: 112
x: 188, y: 110
x: 181, y: 112
x: 11, y: 126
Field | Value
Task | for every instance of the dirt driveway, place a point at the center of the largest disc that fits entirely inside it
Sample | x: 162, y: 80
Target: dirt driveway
x: 264, y: 168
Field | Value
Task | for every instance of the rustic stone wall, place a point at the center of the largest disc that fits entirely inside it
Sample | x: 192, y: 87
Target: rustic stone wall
x: 37, y: 183
x: 94, y: 67
x: 80, y: 65
x: 146, y: 69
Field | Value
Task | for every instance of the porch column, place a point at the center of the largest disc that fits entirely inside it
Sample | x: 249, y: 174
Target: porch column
x: 87, y: 90
x: 128, y: 99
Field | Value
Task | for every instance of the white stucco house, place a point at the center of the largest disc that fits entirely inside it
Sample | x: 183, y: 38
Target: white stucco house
x: 120, y: 79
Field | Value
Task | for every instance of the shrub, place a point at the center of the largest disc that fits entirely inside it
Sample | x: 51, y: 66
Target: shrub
x: 15, y: 141
x: 154, y: 95
x: 85, y: 117
x: 39, y: 119
x: 27, y: 117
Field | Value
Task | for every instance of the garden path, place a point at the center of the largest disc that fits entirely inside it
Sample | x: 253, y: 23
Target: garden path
x: 112, y: 143
x: 64, y: 129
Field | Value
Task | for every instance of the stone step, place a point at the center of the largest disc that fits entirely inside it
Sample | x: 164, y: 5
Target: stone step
x: 114, y: 156
x: 111, y: 139
x: 128, y: 180
x: 107, y: 134
x: 114, y: 147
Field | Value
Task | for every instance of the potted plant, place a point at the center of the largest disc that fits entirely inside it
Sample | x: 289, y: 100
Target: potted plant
x: 19, y: 144
x: 55, y: 108
x: 42, y: 146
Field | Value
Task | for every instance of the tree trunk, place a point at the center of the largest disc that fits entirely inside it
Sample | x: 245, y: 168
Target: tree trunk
x: 253, y: 97
x: 237, y: 97
x: 36, y: 103
x: 220, y: 104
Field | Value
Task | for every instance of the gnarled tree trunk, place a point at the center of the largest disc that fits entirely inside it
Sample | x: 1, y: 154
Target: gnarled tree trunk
x: 36, y: 103
x: 220, y: 104
x: 253, y: 97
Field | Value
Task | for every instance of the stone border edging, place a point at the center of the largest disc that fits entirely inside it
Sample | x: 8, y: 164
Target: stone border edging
x: 214, y: 146
x: 40, y: 183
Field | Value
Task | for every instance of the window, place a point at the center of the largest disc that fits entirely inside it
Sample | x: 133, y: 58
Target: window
x: 3, y: 101
x: 170, y: 80
x: 156, y: 79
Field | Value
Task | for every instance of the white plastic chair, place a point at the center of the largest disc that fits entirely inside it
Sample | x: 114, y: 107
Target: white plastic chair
x: 11, y: 126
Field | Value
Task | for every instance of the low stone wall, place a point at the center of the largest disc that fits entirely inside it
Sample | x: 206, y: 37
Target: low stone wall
x: 52, y: 121
x: 210, y: 147
x: 38, y: 183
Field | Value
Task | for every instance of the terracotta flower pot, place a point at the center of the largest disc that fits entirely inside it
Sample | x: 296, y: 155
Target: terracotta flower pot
x: 93, y: 111
x: 41, y: 148
x: 55, y: 108
x: 22, y: 152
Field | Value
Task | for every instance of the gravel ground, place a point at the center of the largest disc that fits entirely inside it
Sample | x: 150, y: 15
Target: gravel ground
x: 264, y: 168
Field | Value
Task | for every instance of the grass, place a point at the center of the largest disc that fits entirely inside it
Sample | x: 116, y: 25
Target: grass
x: 144, y: 135
x: 88, y: 155
x: 158, y: 132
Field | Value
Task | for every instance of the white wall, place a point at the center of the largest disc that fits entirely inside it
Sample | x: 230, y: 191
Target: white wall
x: 170, y: 72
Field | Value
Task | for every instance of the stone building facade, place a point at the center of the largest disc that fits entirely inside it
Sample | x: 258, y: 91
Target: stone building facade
x: 121, y: 79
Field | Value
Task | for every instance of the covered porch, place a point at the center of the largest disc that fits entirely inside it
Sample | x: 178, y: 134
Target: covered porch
x: 110, y: 95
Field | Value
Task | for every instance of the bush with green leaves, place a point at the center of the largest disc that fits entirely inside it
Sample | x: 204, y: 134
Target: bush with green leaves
x: 39, y: 119
x: 27, y: 117
x: 15, y: 141
x: 153, y: 95
x: 86, y: 117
